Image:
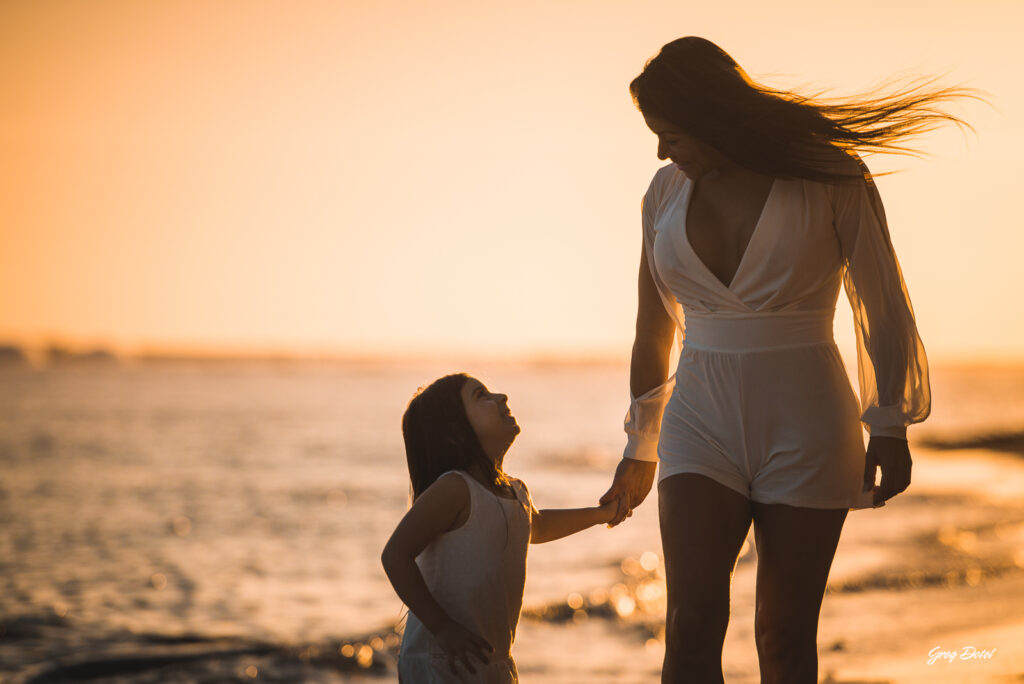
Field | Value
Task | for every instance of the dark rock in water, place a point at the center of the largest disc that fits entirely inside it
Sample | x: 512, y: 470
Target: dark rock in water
x: 12, y: 356
x: 42, y: 443
x: 113, y: 665
x: 59, y: 356
x: 48, y: 649
x: 1011, y: 441
x: 29, y: 626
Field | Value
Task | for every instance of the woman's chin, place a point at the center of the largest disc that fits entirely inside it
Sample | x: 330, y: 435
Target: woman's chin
x: 691, y: 170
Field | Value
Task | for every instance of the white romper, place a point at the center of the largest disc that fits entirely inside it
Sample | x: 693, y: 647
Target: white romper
x: 477, y: 573
x: 760, y: 400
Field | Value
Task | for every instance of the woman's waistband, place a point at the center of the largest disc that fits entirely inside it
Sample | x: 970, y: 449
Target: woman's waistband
x: 757, y: 332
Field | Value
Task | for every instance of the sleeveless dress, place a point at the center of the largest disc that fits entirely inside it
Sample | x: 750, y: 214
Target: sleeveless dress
x: 760, y: 400
x: 477, y: 574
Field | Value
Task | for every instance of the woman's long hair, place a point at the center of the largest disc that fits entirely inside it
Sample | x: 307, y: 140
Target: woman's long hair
x: 439, y: 437
x: 693, y: 84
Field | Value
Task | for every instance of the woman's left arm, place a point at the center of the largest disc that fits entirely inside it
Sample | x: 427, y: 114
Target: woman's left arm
x: 892, y: 365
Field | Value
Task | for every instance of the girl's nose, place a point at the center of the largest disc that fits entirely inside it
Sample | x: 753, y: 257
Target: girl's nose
x: 662, y: 153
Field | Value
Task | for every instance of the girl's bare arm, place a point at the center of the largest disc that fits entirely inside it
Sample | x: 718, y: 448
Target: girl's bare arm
x: 555, y: 523
x: 434, y: 512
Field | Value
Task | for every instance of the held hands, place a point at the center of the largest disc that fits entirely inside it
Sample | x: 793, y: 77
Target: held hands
x: 632, y: 483
x: 892, y: 455
x: 458, y: 643
x: 614, y: 509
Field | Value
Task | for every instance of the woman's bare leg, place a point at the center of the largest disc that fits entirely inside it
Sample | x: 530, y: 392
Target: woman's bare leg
x: 703, y: 525
x: 795, y: 548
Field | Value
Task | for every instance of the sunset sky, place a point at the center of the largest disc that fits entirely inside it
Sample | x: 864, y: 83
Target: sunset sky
x: 442, y: 177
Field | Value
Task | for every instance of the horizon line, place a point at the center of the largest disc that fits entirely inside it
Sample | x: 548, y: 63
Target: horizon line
x: 61, y: 352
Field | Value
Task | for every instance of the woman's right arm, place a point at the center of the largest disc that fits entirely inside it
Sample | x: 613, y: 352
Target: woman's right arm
x: 649, y: 369
x: 655, y: 331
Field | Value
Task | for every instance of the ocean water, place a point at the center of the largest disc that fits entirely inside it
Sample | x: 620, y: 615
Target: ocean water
x: 224, y: 522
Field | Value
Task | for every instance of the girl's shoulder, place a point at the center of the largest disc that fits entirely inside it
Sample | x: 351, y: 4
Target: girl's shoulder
x: 450, y: 492
x: 454, y: 475
x: 518, y: 484
x: 450, y: 485
x: 523, y: 494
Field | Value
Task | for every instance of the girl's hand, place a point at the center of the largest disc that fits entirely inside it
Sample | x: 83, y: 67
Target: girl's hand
x: 459, y: 643
x: 613, y: 508
x: 892, y: 455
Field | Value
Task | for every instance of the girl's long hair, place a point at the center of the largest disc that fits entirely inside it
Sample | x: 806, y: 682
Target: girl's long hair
x: 693, y: 84
x: 439, y: 437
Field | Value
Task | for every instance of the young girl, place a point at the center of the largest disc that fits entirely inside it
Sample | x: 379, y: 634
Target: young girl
x: 458, y: 557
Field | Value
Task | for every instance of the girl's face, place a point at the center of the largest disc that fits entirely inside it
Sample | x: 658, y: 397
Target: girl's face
x: 691, y: 156
x: 488, y: 413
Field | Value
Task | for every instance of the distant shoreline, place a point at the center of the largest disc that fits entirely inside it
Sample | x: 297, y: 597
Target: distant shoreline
x: 64, y: 355
x: 54, y: 356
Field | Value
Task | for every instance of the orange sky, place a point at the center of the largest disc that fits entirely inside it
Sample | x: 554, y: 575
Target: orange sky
x: 443, y: 176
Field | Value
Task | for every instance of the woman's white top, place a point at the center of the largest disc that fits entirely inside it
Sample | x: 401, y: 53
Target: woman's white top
x: 810, y: 238
x: 477, y: 574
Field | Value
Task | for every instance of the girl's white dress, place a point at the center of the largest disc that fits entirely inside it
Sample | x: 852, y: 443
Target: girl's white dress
x: 477, y: 573
x: 760, y: 400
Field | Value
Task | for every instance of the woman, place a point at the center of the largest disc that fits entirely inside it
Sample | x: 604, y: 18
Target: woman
x: 764, y: 211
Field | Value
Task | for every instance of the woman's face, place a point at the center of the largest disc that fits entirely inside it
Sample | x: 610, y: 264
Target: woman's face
x: 690, y: 155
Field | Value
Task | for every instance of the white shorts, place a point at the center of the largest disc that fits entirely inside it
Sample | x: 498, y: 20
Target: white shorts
x: 769, y: 415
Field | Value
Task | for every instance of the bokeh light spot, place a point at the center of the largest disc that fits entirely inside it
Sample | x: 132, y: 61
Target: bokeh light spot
x: 625, y: 606
x: 649, y: 560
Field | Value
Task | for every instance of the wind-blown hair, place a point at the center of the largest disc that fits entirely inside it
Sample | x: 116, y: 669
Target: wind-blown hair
x: 693, y: 84
x: 439, y: 437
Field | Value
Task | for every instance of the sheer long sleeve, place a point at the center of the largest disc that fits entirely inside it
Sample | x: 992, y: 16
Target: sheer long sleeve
x: 643, y: 419
x: 891, y: 362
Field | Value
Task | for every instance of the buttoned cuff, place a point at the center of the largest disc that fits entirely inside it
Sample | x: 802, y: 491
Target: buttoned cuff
x: 897, y: 431
x: 640, y: 448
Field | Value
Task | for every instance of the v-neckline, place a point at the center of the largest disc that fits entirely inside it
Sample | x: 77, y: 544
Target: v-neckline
x: 746, y: 249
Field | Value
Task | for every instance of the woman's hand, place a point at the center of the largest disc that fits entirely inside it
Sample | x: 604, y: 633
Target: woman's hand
x: 892, y: 455
x: 458, y: 643
x: 632, y: 483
